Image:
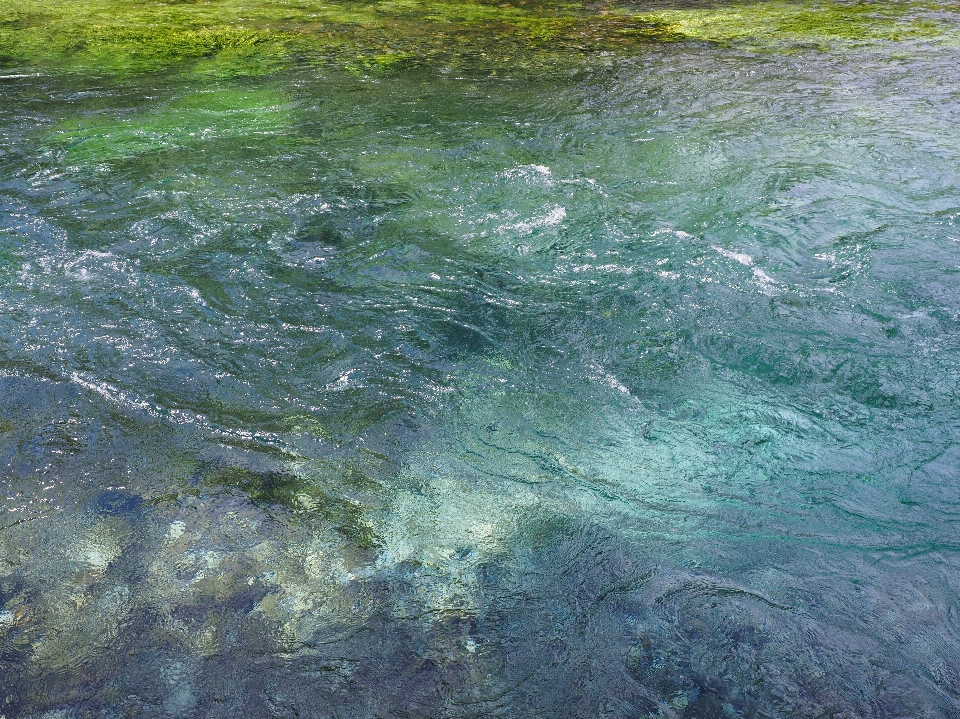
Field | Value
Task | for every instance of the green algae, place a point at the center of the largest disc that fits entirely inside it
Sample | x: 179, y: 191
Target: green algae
x: 775, y: 24
x: 302, y: 495
x: 238, y: 37
x: 219, y: 113
x: 323, y: 493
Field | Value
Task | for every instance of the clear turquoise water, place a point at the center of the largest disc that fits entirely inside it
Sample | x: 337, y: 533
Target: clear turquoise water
x: 626, y: 393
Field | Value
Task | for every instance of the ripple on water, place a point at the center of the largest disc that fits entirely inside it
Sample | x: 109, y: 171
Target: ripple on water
x: 439, y: 397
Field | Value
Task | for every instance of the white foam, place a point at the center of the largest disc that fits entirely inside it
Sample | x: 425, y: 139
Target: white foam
x: 741, y: 257
x: 528, y: 172
x: 553, y: 218
x: 762, y: 278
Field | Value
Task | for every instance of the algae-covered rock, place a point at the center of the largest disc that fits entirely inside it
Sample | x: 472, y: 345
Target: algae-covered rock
x: 302, y: 495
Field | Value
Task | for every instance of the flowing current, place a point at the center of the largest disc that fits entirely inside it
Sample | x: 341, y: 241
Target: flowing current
x: 627, y: 393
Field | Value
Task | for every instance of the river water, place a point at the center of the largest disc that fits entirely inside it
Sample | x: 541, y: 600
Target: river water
x: 623, y: 392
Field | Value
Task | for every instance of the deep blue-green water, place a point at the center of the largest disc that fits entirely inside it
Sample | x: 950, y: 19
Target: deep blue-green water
x: 628, y: 393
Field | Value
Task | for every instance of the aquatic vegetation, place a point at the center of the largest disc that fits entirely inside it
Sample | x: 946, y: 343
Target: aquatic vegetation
x: 300, y: 494
x: 230, y: 37
x: 205, y: 116
x: 769, y: 25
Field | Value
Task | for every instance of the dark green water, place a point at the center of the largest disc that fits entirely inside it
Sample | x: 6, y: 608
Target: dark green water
x: 625, y: 394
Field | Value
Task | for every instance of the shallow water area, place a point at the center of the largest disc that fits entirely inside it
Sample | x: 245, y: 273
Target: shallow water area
x: 628, y: 390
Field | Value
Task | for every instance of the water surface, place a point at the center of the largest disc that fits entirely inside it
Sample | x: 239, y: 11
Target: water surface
x: 628, y: 390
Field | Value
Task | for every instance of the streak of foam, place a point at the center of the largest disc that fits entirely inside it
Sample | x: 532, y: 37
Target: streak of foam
x: 609, y: 379
x: 539, y: 174
x: 764, y: 280
x: 112, y: 394
x: 742, y: 257
x: 553, y: 218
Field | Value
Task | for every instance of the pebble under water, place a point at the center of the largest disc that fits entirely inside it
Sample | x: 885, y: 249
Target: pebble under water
x: 624, y: 393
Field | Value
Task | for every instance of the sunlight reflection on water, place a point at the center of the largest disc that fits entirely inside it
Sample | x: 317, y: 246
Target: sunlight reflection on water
x: 425, y: 397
